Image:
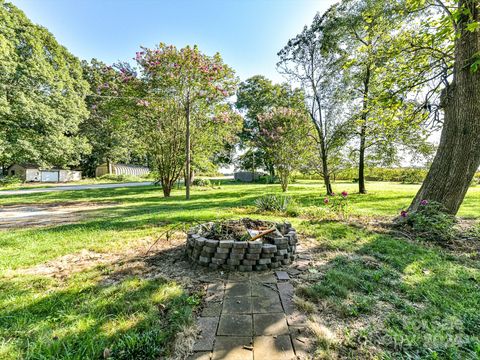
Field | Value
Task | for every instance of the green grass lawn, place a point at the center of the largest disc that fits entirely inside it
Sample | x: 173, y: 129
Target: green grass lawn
x: 430, y: 297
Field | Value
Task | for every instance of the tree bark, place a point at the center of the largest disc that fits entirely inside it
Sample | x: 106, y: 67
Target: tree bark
x: 167, y: 189
x: 458, y: 154
x: 187, y: 152
x: 361, y: 161
x: 363, y: 134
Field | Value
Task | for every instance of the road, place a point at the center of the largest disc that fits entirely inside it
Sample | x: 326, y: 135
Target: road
x: 73, y: 187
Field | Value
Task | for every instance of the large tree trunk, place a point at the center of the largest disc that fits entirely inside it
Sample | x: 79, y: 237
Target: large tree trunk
x: 458, y: 154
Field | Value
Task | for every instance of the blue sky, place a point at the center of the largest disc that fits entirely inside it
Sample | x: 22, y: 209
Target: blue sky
x: 248, y: 33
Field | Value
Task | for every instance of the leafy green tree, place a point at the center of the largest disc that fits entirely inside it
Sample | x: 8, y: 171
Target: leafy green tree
x: 190, y: 78
x: 160, y: 124
x: 213, y: 137
x: 255, y: 96
x: 41, y: 95
x: 284, y: 134
x: 108, y: 127
x: 307, y: 62
x: 361, y: 31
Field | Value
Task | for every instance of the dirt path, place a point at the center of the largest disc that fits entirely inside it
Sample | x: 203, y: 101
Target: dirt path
x: 73, y: 187
x: 20, y: 216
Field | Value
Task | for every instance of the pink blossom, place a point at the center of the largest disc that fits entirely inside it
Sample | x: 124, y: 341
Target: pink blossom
x: 403, y: 213
x: 326, y: 201
x: 424, y: 202
x: 344, y: 194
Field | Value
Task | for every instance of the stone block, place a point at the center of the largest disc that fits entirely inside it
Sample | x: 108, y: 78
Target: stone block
x: 240, y: 244
x: 267, y: 255
x: 245, y: 268
x: 213, y: 266
x: 218, y: 261
x: 238, y: 251
x: 269, y: 248
x: 211, y: 243
x: 261, y: 267
x: 252, y: 256
x: 280, y: 241
x: 226, y: 244
x: 223, y: 250
x: 249, y: 262
x: 233, y: 261
x: 263, y: 261
x: 282, y: 252
x: 257, y: 244
x: 220, y: 256
x: 203, y: 260
x: 254, y: 250
x: 236, y: 256
x: 208, y: 250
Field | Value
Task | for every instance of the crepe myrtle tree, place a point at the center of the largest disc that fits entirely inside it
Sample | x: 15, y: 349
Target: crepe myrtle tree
x: 286, y: 131
x: 191, y: 78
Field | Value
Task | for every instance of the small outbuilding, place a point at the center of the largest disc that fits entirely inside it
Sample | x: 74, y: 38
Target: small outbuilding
x: 247, y: 176
x: 32, y: 173
x: 121, y: 169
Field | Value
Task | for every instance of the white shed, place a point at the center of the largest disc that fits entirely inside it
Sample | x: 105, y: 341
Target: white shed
x: 121, y: 169
x: 32, y: 173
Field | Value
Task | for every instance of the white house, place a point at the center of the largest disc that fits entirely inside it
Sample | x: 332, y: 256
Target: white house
x: 32, y: 173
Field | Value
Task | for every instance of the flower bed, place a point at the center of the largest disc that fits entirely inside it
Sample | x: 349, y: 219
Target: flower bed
x: 227, y: 245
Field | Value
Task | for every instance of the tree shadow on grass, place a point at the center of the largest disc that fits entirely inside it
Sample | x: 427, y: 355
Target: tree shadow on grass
x: 395, y: 296
x: 133, y: 315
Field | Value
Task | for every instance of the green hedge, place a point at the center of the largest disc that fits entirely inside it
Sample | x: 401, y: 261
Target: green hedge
x: 404, y: 175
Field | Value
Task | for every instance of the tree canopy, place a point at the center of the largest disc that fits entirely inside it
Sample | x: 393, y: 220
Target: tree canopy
x: 42, y: 95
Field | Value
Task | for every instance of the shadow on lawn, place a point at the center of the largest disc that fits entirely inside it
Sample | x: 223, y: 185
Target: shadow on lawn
x: 396, y: 296
x: 132, y: 313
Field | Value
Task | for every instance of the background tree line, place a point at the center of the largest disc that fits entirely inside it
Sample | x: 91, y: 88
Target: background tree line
x: 369, y: 80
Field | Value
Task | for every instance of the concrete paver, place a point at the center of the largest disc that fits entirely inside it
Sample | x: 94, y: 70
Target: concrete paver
x: 237, y: 305
x: 265, y: 305
x: 234, y: 324
x: 270, y: 324
x: 237, y: 289
x: 273, y: 348
x: 208, y: 328
x: 251, y: 317
x: 233, y: 348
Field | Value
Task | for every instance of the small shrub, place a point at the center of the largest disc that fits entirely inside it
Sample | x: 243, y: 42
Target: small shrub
x: 272, y: 202
x: 338, y: 204
x: 10, y: 181
x: 430, y: 221
x: 201, y: 182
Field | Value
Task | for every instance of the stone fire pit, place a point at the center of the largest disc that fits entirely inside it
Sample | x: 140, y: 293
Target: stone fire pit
x: 243, y: 245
